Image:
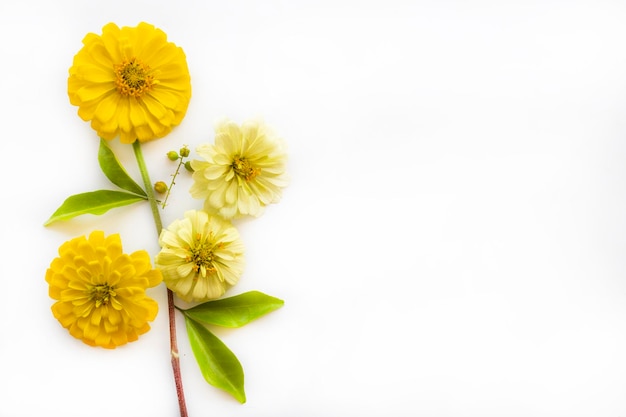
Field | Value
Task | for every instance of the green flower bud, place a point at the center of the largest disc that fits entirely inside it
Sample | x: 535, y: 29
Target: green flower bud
x: 188, y: 166
x: 160, y: 187
x: 172, y: 155
x: 184, y: 152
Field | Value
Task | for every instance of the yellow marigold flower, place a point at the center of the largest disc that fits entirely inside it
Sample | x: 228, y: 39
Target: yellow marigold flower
x: 201, y: 256
x: 130, y: 82
x: 101, y: 291
x: 243, y: 171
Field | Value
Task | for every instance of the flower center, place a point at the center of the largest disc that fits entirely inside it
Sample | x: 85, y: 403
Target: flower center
x: 133, y: 78
x: 101, y: 294
x: 244, y: 169
x: 202, y: 255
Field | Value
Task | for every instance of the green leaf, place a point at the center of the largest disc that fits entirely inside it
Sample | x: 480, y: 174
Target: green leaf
x: 93, y: 202
x: 218, y: 364
x: 115, y: 172
x: 234, y: 311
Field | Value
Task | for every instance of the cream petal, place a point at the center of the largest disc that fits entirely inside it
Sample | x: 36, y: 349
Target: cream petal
x: 213, y: 172
x: 200, y: 289
x: 168, y: 238
x: 183, y: 271
x: 228, y: 212
x: 185, y: 231
x: 214, y: 289
x: 231, y: 193
x: 225, y: 159
x: 216, y: 198
x: 199, y: 188
x: 183, y: 288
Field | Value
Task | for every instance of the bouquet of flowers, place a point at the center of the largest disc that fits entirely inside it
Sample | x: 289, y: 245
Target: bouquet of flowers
x: 133, y: 84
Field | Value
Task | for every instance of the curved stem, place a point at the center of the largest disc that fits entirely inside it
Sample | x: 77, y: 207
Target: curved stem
x: 170, y: 295
x: 148, y: 186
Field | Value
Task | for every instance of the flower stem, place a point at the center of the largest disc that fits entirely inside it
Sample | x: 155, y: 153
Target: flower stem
x: 170, y: 295
x: 181, y: 160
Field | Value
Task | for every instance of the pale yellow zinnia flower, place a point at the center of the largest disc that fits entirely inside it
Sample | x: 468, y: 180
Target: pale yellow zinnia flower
x: 242, y: 172
x: 101, y: 291
x: 130, y: 82
x: 201, y: 256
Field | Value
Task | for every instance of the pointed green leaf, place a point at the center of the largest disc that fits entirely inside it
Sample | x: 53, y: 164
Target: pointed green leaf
x: 115, y: 172
x: 234, y: 311
x: 218, y: 364
x: 93, y: 202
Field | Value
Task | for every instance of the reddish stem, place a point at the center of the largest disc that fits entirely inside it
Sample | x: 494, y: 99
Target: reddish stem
x: 174, y: 352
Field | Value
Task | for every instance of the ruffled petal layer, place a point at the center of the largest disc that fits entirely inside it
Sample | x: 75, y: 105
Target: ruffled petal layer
x: 101, y: 292
x: 201, y: 256
x: 229, y: 190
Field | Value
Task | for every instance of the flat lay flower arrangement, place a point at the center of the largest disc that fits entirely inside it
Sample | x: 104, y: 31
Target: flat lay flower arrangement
x: 132, y: 84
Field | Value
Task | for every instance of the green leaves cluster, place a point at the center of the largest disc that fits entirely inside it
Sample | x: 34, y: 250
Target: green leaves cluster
x: 218, y: 364
x: 101, y: 201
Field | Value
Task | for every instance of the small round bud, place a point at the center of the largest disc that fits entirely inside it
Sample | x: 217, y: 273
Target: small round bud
x: 184, y: 152
x: 172, y: 155
x: 188, y: 166
x: 160, y: 187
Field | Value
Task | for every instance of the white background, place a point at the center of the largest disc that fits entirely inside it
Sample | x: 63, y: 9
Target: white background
x: 451, y: 242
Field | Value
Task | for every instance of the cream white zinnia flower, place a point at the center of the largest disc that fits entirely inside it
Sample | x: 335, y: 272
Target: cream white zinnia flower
x: 201, y: 256
x: 243, y: 171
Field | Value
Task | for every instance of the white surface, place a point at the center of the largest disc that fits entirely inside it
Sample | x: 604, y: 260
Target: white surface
x: 451, y: 243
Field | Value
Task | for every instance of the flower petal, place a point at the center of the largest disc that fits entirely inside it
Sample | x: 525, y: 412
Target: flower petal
x: 100, y: 291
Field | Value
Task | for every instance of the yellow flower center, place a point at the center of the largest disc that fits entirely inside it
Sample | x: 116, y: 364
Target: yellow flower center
x: 133, y: 78
x: 202, y: 255
x: 101, y: 294
x: 244, y: 168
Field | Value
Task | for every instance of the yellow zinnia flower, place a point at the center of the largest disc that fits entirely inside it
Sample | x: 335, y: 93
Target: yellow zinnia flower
x: 201, y: 256
x: 244, y: 171
x: 101, y: 291
x: 130, y: 82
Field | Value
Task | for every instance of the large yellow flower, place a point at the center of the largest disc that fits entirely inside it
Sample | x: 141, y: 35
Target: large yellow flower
x: 244, y: 171
x: 130, y: 82
x: 201, y: 256
x: 101, y: 291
